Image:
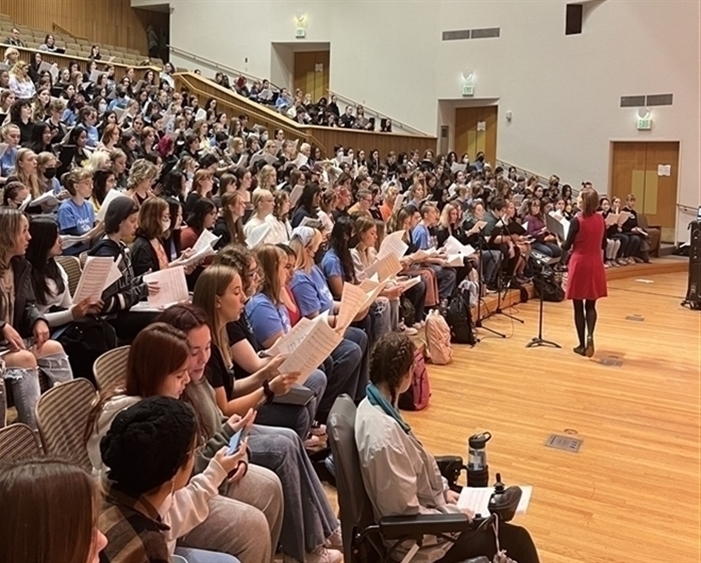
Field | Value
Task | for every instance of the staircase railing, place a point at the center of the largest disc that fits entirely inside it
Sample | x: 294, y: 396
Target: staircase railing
x: 60, y: 29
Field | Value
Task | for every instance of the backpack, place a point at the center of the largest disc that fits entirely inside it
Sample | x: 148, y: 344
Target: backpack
x: 549, y: 288
x: 407, y: 313
x: 84, y: 340
x: 417, y: 396
x: 438, y: 339
x: 470, y: 291
x: 459, y: 319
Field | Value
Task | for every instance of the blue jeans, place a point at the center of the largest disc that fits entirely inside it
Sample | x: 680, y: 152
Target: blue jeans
x: 547, y: 248
x: 298, y: 418
x: 192, y: 555
x: 308, y: 517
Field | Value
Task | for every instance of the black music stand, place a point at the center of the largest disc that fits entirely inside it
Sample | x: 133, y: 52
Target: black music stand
x: 545, y: 263
x: 481, y: 245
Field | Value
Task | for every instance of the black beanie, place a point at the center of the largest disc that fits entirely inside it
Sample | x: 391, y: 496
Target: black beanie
x: 117, y: 210
x: 147, y: 443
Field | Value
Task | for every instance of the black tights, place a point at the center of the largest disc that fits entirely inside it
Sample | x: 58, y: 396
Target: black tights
x: 584, y: 317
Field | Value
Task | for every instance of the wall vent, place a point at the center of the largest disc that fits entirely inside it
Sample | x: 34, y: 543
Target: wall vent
x: 632, y: 101
x: 461, y: 34
x: 456, y: 35
x: 660, y: 100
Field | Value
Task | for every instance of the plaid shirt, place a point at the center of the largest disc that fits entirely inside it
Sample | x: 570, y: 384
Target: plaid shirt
x: 134, y: 530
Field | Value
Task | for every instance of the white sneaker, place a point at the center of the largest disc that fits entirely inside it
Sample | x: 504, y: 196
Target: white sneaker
x: 335, y: 540
x: 324, y: 555
x: 409, y: 331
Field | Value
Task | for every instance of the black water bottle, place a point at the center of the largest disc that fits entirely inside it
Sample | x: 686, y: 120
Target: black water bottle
x: 477, y: 467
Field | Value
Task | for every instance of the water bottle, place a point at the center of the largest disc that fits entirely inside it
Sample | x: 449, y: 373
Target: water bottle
x: 477, y: 467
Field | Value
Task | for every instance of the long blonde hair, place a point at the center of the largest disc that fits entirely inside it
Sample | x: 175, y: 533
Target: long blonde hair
x: 10, y: 225
x: 265, y: 178
x: 29, y: 180
x: 211, y: 284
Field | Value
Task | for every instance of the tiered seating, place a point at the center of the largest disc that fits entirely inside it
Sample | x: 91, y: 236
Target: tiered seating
x: 75, y: 47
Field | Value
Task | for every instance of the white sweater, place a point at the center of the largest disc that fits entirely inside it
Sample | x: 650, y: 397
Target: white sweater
x: 62, y: 301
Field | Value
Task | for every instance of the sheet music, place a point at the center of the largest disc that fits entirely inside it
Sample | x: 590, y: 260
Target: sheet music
x: 411, y: 282
x: 207, y: 239
x: 95, y: 75
x: 385, y: 268
x: 476, y: 499
x: 172, y: 287
x: 611, y: 219
x: 311, y: 222
x: 455, y: 167
x: 111, y: 195
x: 258, y: 235
x: 525, y: 226
x: 352, y: 300
x: 311, y: 351
x: 52, y: 69
x: 623, y: 216
x: 301, y: 160
x: 295, y: 194
x: 94, y: 279
x: 26, y: 203
x: 454, y: 246
x: 48, y: 199
x: 201, y: 114
x: 399, y: 200
x: 291, y: 341
x: 393, y: 244
x: 196, y: 257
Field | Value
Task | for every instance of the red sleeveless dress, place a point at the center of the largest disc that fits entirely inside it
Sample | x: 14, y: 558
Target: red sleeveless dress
x: 586, y: 276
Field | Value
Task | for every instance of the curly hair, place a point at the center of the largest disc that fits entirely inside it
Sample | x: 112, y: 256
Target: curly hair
x: 391, y: 359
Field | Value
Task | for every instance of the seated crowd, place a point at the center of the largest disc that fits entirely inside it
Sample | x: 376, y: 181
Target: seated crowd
x: 141, y: 186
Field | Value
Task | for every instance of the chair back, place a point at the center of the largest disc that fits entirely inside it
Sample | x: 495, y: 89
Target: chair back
x: 111, y: 367
x: 18, y: 441
x: 62, y: 416
x: 71, y: 265
x: 354, y: 504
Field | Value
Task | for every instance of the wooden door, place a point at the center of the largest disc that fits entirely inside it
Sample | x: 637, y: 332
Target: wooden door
x: 311, y: 73
x: 650, y: 171
x: 475, y: 131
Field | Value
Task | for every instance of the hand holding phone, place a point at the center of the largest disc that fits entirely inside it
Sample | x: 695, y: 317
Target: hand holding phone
x: 234, y: 462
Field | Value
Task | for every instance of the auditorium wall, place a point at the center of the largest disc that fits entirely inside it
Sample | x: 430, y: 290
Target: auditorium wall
x: 563, y: 91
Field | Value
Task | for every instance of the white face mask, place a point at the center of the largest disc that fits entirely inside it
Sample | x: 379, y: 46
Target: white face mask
x: 165, y: 224
x: 102, y: 108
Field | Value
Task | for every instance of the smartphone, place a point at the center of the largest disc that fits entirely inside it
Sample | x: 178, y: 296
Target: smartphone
x: 235, y: 442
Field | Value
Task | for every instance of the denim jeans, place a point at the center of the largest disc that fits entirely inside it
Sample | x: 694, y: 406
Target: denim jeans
x: 298, y: 418
x: 308, y: 518
x: 491, y: 260
x: 25, y: 386
x: 194, y: 555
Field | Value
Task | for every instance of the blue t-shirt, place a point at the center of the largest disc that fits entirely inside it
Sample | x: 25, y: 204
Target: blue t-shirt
x: 421, y: 237
x: 93, y: 135
x: 56, y: 186
x: 311, y: 292
x: 7, y: 163
x: 331, y: 264
x: 266, y: 318
x: 75, y: 220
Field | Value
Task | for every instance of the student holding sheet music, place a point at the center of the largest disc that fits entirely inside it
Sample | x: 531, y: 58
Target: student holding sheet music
x: 422, y: 240
x: 544, y: 241
x: 76, y: 216
x: 121, y: 221
x: 632, y: 228
x: 628, y: 245
x: 25, y: 344
x: 280, y: 228
x: 498, y: 238
x: 314, y: 298
x: 73, y: 153
x: 263, y: 203
x: 307, y: 205
x: 229, y: 223
x: 15, y: 195
x: 587, y: 279
x: 202, y: 185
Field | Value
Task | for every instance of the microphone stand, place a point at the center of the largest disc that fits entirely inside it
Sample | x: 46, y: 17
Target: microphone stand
x: 478, y: 323
x: 500, y: 281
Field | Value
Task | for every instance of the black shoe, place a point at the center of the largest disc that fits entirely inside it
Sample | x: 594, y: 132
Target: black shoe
x: 579, y: 350
x: 590, y: 347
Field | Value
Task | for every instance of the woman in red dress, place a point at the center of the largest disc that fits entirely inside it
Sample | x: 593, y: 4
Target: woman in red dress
x: 586, y: 279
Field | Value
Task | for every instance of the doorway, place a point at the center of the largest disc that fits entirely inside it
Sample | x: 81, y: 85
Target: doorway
x: 650, y: 171
x: 311, y: 73
x: 476, y: 131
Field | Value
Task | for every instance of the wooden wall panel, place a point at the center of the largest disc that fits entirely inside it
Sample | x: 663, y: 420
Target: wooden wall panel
x: 111, y: 22
x: 368, y: 140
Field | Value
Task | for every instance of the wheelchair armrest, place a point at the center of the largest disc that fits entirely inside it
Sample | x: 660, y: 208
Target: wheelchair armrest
x: 398, y: 527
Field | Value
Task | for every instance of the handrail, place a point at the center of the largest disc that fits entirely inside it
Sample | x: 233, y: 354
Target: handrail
x: 542, y: 179
x: 687, y: 209
x: 61, y: 29
x: 217, y: 65
x: 381, y: 115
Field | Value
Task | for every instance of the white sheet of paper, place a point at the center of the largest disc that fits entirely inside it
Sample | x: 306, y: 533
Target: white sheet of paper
x: 352, y: 300
x: 385, y: 268
x: 172, y: 287
x: 291, y: 341
x: 411, y: 282
x: 311, y: 351
x: 454, y: 246
x: 94, y: 279
x: 295, y: 194
x: 301, y: 160
x: 71, y: 240
x: 623, y: 216
x: 476, y: 499
x: 664, y: 170
x: 455, y: 167
x: 611, y: 219
x: 393, y: 244
x: 196, y: 257
x: 207, y: 239
x: 47, y: 199
x: 111, y: 195
x: 201, y: 114
x: 258, y: 235
x: 524, y: 225
x: 26, y: 203
x: 398, y: 201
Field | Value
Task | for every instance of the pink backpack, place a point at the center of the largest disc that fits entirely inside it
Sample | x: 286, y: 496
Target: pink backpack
x: 417, y: 396
x: 438, y: 347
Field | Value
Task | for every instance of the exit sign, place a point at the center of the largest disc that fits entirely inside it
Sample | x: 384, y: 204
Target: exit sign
x: 300, y: 33
x: 468, y: 90
x: 644, y: 124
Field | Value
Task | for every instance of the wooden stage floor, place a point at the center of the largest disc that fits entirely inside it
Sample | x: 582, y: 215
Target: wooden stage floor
x: 632, y: 492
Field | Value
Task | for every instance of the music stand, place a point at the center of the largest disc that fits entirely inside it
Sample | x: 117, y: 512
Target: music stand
x: 544, y: 262
x: 481, y: 245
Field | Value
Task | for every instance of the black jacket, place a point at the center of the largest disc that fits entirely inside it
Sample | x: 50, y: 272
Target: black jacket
x: 127, y: 290
x: 143, y: 257
x: 25, y: 314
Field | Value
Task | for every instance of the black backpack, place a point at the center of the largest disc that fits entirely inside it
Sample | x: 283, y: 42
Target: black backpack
x: 84, y: 341
x: 459, y: 319
x: 549, y: 287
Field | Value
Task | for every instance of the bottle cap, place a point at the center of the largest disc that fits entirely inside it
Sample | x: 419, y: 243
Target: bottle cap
x: 478, y: 441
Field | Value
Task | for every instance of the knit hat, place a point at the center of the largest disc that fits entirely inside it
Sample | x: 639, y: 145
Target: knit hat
x: 117, y: 210
x: 147, y: 443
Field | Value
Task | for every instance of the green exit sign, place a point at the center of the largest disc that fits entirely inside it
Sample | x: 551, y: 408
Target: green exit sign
x: 644, y: 124
x: 468, y: 90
